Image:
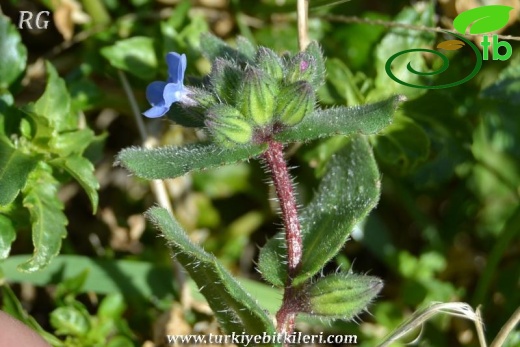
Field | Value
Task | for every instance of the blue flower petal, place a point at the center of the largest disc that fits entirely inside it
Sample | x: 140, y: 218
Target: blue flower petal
x: 156, y: 111
x: 176, y: 67
x: 161, y: 95
x: 173, y: 92
x: 154, y: 93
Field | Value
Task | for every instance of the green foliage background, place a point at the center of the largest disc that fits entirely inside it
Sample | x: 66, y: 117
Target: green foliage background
x: 446, y: 227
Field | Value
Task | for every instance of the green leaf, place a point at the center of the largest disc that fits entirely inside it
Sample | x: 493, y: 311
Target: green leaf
x: 71, y: 286
x: 120, y: 341
x: 54, y: 104
x: 366, y: 119
x: 135, y: 55
x: 15, y: 167
x: 14, y: 53
x: 403, y: 145
x: 507, y: 87
x: 112, y: 307
x: 179, y: 16
x: 400, y: 39
x: 234, y: 308
x: 83, y: 171
x: 70, y: 321
x: 361, y: 36
x: 136, y: 280
x: 47, y: 217
x: 170, y: 162
x: 483, y: 19
x: 7, y: 236
x: 347, y: 193
x: 344, y: 82
x: 73, y: 142
x: 271, y: 261
x: 212, y: 48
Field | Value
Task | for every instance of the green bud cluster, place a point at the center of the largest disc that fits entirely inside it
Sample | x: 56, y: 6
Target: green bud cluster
x: 294, y: 102
x: 251, y: 90
x: 228, y: 125
x: 257, y: 97
x: 341, y: 296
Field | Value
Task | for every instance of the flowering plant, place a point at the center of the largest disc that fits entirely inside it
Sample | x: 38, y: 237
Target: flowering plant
x: 251, y: 104
x: 162, y: 95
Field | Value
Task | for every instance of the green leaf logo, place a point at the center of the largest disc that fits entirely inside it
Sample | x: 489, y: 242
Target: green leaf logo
x: 483, y: 19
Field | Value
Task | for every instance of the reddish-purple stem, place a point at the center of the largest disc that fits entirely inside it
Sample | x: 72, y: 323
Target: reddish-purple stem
x: 284, y: 190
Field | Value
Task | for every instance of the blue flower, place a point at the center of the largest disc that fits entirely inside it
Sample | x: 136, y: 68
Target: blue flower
x: 161, y: 95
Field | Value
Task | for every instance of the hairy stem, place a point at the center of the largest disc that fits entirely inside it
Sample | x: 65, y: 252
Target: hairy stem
x: 286, y: 316
x: 284, y: 190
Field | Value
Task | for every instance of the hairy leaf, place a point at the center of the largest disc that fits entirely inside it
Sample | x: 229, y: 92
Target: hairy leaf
x: 212, y: 48
x: 14, y: 53
x: 366, y: 119
x: 347, y: 192
x: 341, y: 295
x: 234, y: 308
x: 272, y: 260
x: 47, y: 217
x: 15, y: 167
x: 7, y: 236
x: 170, y: 162
x: 83, y: 171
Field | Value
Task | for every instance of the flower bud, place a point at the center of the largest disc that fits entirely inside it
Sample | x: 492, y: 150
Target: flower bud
x: 342, y: 296
x: 307, y: 66
x: 301, y: 67
x: 270, y: 63
x: 228, y: 125
x: 256, y: 98
x: 200, y: 98
x: 294, y: 102
x: 314, y: 51
x: 226, y: 79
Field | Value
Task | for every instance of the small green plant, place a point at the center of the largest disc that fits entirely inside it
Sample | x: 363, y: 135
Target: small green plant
x: 253, y: 103
x: 42, y: 146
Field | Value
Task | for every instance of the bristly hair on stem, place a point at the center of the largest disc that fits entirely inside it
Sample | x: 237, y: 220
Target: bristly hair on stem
x: 288, y: 206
